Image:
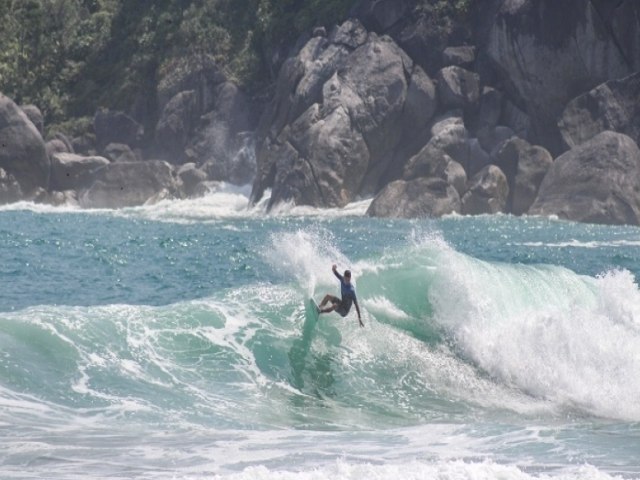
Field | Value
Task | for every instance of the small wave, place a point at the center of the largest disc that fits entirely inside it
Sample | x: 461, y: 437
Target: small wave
x: 419, y: 470
x: 582, y: 244
x: 224, y: 201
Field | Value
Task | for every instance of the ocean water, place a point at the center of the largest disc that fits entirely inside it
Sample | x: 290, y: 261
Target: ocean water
x: 171, y: 341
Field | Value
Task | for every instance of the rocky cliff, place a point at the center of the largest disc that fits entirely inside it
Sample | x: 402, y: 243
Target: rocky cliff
x: 473, y: 106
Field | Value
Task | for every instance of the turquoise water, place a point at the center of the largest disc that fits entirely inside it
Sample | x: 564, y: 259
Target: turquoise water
x: 172, y: 341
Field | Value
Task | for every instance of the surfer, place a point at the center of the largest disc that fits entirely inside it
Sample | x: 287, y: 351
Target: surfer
x: 342, y: 306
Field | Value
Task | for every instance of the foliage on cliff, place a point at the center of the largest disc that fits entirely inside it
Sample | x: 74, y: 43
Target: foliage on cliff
x: 71, y: 56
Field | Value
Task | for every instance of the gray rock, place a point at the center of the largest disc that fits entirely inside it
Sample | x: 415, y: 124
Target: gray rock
x: 34, y: 114
x: 594, y: 182
x: 421, y: 197
x: 119, y: 152
x: 432, y: 162
x: 22, y: 150
x: 525, y: 166
x: 358, y: 127
x: 614, y: 105
x: 516, y: 119
x: 487, y: 193
x: 116, y: 127
x: 350, y: 34
x: 64, y: 139
x: 455, y: 176
x: 462, y: 56
x: 449, y: 135
x: 478, y: 158
x: 175, y: 126
x: 55, y: 146
x: 191, y: 177
x: 70, y: 171
x: 492, y: 138
x: 549, y: 52
x: 10, y: 190
x: 85, y: 144
x: 457, y: 87
x: 488, y: 111
x: 120, y: 185
x: 195, y: 73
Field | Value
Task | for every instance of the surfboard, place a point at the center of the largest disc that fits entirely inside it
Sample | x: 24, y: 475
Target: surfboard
x: 301, y: 346
x: 313, y: 309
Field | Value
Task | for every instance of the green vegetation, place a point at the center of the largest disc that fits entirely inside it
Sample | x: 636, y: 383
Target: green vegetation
x: 70, y: 57
x: 444, y: 15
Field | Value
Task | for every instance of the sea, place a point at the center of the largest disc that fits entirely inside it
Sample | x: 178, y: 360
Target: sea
x: 172, y: 341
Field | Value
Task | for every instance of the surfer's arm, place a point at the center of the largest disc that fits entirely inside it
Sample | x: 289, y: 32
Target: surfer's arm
x: 335, y: 272
x: 355, y: 302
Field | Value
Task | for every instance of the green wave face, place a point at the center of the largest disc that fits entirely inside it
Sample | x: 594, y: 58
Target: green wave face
x: 446, y: 335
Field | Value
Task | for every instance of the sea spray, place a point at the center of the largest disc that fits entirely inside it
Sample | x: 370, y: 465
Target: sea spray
x: 545, y: 330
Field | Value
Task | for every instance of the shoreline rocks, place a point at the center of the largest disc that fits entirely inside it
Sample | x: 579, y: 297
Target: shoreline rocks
x: 429, y: 119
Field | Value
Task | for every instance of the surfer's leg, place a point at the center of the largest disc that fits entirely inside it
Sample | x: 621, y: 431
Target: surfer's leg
x: 335, y: 301
x: 324, y: 301
x: 328, y: 298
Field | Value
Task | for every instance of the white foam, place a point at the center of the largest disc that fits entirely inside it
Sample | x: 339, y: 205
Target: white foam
x: 416, y: 470
x: 224, y: 201
x: 553, y: 334
x: 582, y: 244
x: 307, y: 256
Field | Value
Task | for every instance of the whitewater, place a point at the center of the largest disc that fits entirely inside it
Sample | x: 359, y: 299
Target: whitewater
x: 171, y: 341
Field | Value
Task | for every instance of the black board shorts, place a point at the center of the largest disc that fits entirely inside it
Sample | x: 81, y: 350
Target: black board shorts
x: 343, y: 307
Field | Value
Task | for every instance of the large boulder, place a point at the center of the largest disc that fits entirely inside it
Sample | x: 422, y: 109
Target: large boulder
x: 421, y: 197
x: 34, y: 114
x: 614, y: 105
x: 129, y: 184
x: 22, y: 149
x: 525, y: 166
x: 595, y: 182
x: 548, y: 52
x: 191, y: 178
x: 347, y: 114
x: 449, y: 134
x: 72, y: 172
x: 434, y: 162
x: 119, y: 152
x: 487, y: 193
x: 54, y: 146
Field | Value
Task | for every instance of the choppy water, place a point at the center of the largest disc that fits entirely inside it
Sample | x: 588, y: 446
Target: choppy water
x: 168, y: 342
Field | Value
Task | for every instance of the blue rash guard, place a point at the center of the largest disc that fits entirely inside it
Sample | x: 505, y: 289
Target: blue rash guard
x: 348, y: 296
